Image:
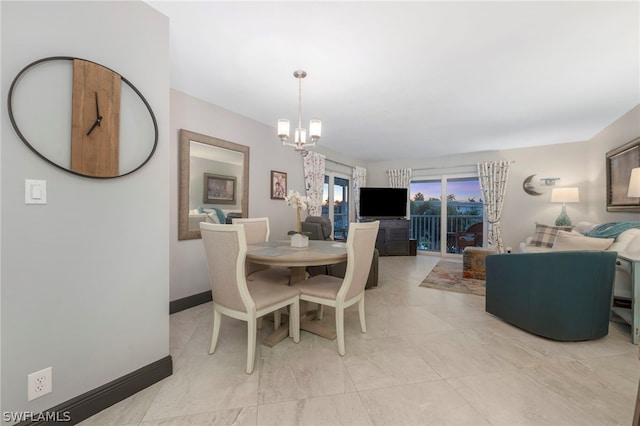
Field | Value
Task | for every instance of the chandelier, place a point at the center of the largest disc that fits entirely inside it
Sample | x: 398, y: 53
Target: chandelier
x: 300, y: 136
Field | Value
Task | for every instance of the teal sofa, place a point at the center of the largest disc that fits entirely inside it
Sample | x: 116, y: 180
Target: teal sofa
x: 564, y: 295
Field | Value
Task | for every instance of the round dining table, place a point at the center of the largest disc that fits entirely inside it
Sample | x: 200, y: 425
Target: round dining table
x: 281, y: 253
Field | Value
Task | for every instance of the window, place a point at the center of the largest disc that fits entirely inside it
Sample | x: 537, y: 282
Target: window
x: 445, y: 228
x: 339, y: 199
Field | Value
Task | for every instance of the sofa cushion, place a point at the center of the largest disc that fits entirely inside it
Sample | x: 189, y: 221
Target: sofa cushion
x: 545, y: 235
x: 567, y: 241
x: 628, y: 243
x: 633, y: 249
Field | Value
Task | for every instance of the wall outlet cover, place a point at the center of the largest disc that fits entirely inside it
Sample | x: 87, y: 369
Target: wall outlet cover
x: 39, y: 383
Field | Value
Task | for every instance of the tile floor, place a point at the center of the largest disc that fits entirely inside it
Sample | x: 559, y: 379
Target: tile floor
x: 429, y: 357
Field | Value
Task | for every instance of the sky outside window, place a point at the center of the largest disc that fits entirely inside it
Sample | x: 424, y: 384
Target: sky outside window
x: 463, y: 189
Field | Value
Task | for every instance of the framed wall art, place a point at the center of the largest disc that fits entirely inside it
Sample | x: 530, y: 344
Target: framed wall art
x: 219, y: 189
x: 620, y: 161
x: 278, y: 185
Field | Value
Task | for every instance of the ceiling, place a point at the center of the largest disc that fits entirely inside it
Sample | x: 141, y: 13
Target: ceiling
x: 398, y: 80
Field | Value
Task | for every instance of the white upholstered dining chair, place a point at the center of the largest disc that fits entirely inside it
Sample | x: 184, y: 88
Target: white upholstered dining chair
x: 344, y: 292
x: 257, y: 231
x: 226, y: 249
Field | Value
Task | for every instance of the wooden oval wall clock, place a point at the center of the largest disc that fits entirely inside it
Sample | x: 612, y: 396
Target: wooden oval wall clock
x: 82, y: 117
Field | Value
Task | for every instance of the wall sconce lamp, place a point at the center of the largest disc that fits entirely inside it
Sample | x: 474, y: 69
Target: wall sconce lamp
x: 564, y: 195
x: 634, y: 183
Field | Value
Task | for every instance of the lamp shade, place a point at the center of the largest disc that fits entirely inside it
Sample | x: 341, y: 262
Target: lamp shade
x: 634, y: 183
x: 565, y: 195
x: 315, y: 128
x: 283, y: 128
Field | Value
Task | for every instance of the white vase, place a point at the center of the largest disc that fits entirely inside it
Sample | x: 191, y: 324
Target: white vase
x: 299, y: 240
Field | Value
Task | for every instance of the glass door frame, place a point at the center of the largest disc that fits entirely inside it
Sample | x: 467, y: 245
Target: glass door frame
x: 444, y: 178
x: 331, y: 175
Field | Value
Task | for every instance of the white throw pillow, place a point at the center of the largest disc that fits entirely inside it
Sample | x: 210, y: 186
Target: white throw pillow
x: 633, y: 248
x: 213, y: 217
x: 569, y: 241
x: 621, y: 244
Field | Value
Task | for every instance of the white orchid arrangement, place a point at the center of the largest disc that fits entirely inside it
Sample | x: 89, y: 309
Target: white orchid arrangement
x: 298, y: 202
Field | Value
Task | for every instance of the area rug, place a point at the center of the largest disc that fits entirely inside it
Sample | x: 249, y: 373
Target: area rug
x: 448, y: 276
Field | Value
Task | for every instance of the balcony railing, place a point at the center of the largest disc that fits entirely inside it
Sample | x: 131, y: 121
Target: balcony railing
x: 425, y: 229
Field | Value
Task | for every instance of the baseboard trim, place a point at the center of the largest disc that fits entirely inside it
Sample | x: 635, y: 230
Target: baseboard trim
x: 86, y: 405
x: 189, y: 302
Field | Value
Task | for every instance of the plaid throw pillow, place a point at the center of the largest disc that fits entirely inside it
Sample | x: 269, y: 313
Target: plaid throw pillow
x: 545, y: 235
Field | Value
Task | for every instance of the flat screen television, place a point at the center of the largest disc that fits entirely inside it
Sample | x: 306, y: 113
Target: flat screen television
x: 383, y: 203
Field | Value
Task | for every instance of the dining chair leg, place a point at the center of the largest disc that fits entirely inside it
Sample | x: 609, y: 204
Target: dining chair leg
x: 340, y: 329
x: 251, y: 344
x: 320, y: 312
x: 363, y: 324
x: 216, y: 331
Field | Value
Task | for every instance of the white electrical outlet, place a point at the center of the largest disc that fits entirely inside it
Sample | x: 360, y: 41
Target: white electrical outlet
x: 39, y: 383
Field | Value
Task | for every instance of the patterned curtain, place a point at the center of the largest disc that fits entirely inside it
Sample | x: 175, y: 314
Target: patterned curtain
x: 314, y: 180
x: 399, y: 178
x: 493, y: 183
x: 359, y: 180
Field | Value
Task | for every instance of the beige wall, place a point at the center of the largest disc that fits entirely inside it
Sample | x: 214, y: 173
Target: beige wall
x: 578, y: 164
x: 188, y: 267
x: 188, y: 272
x: 623, y: 130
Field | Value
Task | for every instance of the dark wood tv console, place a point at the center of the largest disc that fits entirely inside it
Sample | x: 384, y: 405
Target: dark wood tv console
x: 393, y: 237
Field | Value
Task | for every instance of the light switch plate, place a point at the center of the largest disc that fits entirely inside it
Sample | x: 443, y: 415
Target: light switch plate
x: 35, y: 191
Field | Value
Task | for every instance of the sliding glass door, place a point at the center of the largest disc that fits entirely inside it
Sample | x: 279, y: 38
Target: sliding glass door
x: 446, y: 213
x: 339, y: 198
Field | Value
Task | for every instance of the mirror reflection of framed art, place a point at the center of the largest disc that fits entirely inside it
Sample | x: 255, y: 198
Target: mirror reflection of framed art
x: 219, y: 189
x: 278, y: 185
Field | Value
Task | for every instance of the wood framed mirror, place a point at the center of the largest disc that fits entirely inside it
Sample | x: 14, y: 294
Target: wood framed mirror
x: 202, y: 156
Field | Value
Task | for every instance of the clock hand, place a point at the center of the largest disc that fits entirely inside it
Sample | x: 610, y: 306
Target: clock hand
x: 97, y: 109
x: 99, y: 117
x: 97, y: 123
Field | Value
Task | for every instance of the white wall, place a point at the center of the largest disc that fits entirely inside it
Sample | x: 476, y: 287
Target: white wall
x: 85, y: 278
x: 579, y: 164
x: 188, y: 267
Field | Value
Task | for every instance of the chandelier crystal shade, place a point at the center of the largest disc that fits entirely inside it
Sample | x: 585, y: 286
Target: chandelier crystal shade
x: 300, y: 134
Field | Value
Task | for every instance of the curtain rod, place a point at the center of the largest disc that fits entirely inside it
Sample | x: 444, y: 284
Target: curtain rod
x: 455, y: 167
x: 340, y: 164
x: 445, y: 167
